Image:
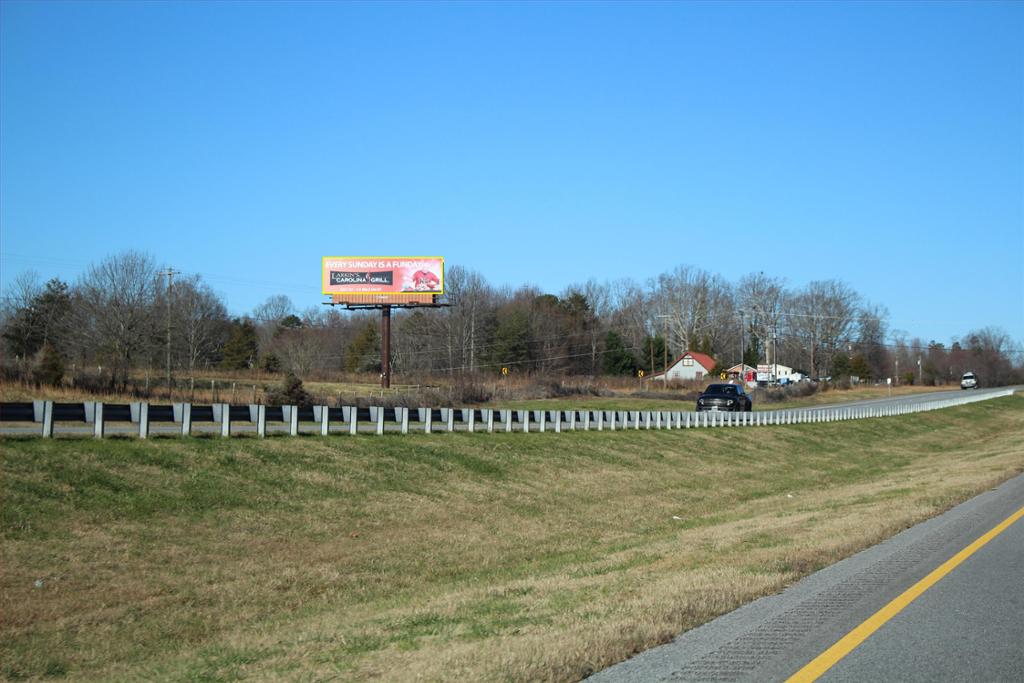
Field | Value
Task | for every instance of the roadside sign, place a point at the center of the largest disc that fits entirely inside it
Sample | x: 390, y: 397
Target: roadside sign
x: 504, y: 371
x: 723, y: 375
x: 639, y: 373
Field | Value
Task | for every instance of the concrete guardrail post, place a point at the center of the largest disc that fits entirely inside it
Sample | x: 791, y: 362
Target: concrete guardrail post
x: 558, y: 421
x: 225, y: 420
x: 186, y: 419
x: 405, y: 420
x: 325, y: 420
x: 47, y: 419
x: 471, y: 421
x: 261, y: 421
x: 144, y: 420
x: 428, y: 420
x: 451, y: 420
x: 380, y: 421
x: 353, y: 419
x: 98, y: 425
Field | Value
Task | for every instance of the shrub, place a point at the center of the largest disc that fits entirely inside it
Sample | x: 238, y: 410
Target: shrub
x: 290, y: 393
x: 50, y: 369
x: 270, y: 363
x: 777, y: 394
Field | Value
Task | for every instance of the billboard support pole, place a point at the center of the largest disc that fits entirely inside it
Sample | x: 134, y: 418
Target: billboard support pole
x: 385, y: 347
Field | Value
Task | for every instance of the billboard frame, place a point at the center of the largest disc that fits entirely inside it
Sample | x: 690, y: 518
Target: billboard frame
x: 384, y: 296
x: 385, y: 301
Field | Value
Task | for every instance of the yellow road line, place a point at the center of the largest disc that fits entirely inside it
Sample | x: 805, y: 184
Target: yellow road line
x: 827, y: 659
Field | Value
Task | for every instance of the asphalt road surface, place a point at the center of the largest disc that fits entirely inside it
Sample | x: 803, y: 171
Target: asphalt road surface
x: 967, y: 625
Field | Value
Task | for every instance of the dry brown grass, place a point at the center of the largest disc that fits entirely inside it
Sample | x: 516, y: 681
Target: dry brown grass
x: 501, y: 557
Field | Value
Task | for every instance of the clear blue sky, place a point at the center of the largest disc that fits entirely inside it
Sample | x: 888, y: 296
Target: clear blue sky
x: 881, y: 144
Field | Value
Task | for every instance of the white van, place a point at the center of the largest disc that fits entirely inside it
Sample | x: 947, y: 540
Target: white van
x: 968, y: 381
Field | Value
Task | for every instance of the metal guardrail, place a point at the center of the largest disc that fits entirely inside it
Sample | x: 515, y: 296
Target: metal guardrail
x: 145, y: 418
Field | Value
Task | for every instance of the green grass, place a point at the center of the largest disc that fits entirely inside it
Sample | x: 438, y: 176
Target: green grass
x: 498, y: 557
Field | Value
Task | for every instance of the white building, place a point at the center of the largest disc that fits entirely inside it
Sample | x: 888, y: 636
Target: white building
x: 785, y: 374
x: 689, y: 366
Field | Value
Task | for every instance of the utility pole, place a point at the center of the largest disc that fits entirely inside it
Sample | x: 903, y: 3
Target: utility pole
x: 651, y: 347
x: 664, y: 346
x: 743, y: 364
x: 169, y: 273
x: 385, y: 347
x: 775, y: 353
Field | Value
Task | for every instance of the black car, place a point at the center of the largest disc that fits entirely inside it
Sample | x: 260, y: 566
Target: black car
x: 729, y: 397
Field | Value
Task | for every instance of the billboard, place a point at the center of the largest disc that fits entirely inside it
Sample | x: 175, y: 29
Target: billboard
x: 382, y: 275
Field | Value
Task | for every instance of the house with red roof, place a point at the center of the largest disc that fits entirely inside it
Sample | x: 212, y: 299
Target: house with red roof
x: 692, y: 365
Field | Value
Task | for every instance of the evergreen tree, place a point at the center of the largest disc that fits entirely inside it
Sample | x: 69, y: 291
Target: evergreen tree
x: 241, y: 350
x: 840, y: 365
x: 511, y: 344
x: 752, y: 354
x: 654, y: 348
x: 33, y: 326
x: 859, y: 366
x: 364, y: 352
x: 617, y: 358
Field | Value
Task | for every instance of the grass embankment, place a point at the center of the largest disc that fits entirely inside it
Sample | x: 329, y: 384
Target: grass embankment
x: 465, y: 556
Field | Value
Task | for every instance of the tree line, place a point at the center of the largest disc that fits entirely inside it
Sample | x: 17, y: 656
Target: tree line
x: 125, y: 313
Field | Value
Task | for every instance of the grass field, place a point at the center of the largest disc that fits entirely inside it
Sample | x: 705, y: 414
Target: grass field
x: 456, y: 556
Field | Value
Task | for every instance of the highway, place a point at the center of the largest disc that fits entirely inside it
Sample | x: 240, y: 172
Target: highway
x: 199, y: 428
x: 888, y: 613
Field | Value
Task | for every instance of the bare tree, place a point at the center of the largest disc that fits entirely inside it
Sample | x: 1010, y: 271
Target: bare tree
x: 699, y: 306
x: 114, y: 311
x: 301, y: 349
x: 274, y: 309
x: 268, y: 317
x: 200, y: 321
x: 822, y: 314
x: 762, y: 299
x: 23, y: 290
x: 989, y: 354
x: 463, y: 322
x: 872, y: 323
x: 628, y: 306
x: 599, y: 297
